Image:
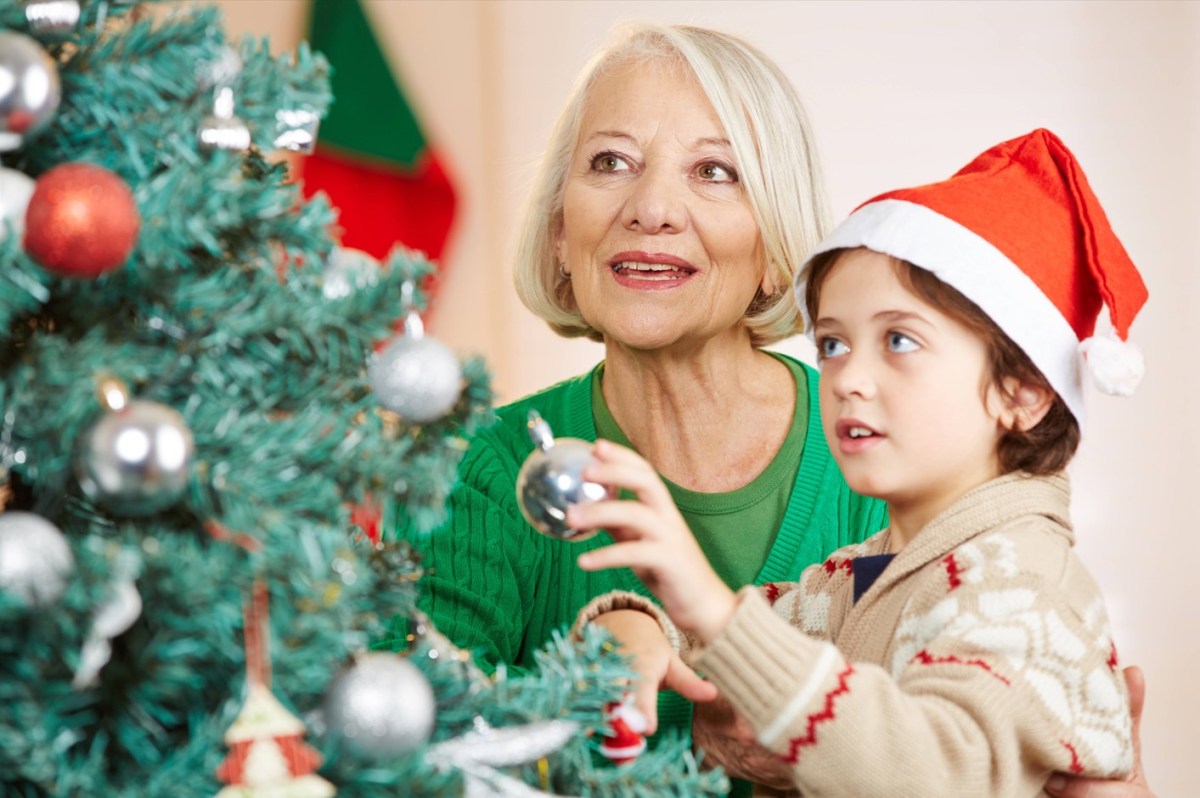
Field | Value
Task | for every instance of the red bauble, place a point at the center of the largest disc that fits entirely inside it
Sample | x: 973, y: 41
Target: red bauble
x: 81, y: 221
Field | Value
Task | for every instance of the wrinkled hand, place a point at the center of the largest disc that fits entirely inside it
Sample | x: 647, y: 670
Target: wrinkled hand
x: 654, y: 541
x: 1132, y: 786
x: 658, y: 667
x: 727, y: 740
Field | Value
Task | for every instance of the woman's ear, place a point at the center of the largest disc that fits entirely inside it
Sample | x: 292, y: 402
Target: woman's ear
x: 1024, y: 404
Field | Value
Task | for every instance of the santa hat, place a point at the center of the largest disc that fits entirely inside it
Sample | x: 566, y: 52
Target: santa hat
x: 1019, y: 232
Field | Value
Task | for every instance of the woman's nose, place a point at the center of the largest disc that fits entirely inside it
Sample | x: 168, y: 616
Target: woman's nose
x: 656, y: 203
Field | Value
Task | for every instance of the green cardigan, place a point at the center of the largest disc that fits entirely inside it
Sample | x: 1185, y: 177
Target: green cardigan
x: 497, y: 587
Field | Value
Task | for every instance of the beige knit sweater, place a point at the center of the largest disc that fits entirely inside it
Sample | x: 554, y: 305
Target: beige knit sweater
x: 979, y: 661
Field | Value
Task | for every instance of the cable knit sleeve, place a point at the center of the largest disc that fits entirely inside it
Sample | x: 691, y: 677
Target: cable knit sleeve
x: 990, y: 686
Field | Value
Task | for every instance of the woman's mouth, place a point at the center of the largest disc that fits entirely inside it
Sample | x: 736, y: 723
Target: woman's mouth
x: 650, y: 270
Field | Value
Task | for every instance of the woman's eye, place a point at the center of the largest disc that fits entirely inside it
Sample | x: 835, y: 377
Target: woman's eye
x: 609, y: 162
x: 831, y: 347
x: 716, y: 173
x: 899, y: 342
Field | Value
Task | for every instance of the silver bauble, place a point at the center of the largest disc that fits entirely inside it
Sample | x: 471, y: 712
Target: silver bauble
x: 551, y: 480
x: 418, y: 378
x: 35, y: 559
x: 15, y: 190
x: 29, y: 88
x: 222, y: 130
x: 346, y: 271
x: 135, y: 460
x: 382, y: 705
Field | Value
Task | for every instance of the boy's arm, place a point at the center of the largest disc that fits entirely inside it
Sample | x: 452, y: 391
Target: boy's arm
x: 983, y: 707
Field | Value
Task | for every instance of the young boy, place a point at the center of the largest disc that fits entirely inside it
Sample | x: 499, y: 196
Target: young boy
x: 964, y: 650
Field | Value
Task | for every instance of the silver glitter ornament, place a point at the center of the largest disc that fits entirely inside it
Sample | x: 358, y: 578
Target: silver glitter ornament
x: 382, y: 705
x: 29, y: 88
x: 135, y: 460
x: 35, y: 559
x: 551, y: 480
x: 416, y: 376
x: 346, y: 271
x: 52, y: 19
x: 296, y: 130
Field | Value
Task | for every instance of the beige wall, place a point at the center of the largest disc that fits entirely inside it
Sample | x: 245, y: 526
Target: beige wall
x: 900, y: 92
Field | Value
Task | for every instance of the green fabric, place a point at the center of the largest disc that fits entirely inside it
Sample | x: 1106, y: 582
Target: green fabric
x: 497, y: 587
x: 370, y: 115
x: 735, y: 529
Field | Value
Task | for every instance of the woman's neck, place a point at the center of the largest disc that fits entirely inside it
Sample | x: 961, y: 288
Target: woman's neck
x: 710, y: 419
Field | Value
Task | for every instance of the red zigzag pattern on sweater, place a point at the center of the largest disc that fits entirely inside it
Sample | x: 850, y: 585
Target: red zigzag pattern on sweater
x: 810, y: 733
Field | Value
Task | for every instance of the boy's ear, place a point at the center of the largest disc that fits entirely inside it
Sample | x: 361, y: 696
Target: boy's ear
x: 1024, y: 404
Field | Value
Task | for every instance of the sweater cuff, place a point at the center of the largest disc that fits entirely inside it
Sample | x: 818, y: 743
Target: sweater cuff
x: 624, y: 600
x: 768, y: 669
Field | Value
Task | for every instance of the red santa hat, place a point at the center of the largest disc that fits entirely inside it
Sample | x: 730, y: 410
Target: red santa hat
x: 1019, y: 232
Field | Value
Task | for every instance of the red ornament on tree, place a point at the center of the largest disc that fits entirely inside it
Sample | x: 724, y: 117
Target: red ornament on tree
x: 624, y: 739
x: 81, y: 221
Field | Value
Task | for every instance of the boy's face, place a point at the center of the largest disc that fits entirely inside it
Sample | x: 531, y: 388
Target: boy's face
x: 902, y: 392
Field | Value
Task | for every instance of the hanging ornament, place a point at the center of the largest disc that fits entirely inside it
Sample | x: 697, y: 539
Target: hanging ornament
x: 81, y: 221
x: 382, y: 705
x: 29, y: 88
x: 551, y: 480
x: 135, y: 460
x: 114, y: 616
x: 296, y: 130
x: 222, y: 130
x: 415, y: 376
x: 346, y: 271
x: 268, y: 757
x: 52, y: 19
x: 624, y: 739
x: 483, y: 749
x: 35, y: 559
x: 15, y: 190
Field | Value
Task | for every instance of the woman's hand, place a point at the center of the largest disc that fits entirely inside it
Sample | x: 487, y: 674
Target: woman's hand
x: 1134, y: 785
x: 653, y: 540
x: 658, y: 667
x: 728, y: 740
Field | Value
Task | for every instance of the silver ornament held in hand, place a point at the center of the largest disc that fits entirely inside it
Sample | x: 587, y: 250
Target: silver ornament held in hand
x: 29, y: 88
x: 551, y: 480
x: 416, y: 376
x: 35, y: 558
x: 382, y: 705
x: 135, y: 460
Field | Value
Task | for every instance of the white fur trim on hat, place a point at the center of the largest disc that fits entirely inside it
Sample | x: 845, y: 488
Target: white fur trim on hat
x: 965, y: 260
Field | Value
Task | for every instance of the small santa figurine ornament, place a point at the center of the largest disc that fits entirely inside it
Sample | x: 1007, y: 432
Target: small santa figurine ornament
x: 624, y: 739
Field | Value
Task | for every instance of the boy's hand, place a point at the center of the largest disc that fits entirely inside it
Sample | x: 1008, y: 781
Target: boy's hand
x: 653, y: 540
x: 658, y: 667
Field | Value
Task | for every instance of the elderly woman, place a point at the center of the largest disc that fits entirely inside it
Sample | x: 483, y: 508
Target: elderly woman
x: 678, y: 196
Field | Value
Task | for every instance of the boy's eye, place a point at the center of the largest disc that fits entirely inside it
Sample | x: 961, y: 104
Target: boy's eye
x: 716, y: 173
x: 831, y: 347
x: 899, y: 342
x: 609, y: 162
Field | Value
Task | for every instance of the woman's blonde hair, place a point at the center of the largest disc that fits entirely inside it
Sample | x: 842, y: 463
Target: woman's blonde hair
x: 775, y: 156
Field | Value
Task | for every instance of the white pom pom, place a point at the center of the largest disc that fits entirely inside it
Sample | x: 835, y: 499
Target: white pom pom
x: 1117, y: 366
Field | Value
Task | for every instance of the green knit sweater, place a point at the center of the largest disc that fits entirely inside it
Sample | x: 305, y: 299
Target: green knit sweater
x: 498, y: 588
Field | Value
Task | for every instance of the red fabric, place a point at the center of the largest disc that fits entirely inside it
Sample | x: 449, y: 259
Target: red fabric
x: 380, y: 205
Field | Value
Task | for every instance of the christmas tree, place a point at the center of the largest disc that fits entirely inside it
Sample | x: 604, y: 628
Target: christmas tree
x: 202, y: 401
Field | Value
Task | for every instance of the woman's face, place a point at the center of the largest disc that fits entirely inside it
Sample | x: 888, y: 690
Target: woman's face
x: 657, y: 232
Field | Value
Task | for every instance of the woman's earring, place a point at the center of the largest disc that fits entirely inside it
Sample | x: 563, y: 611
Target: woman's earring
x: 562, y: 269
